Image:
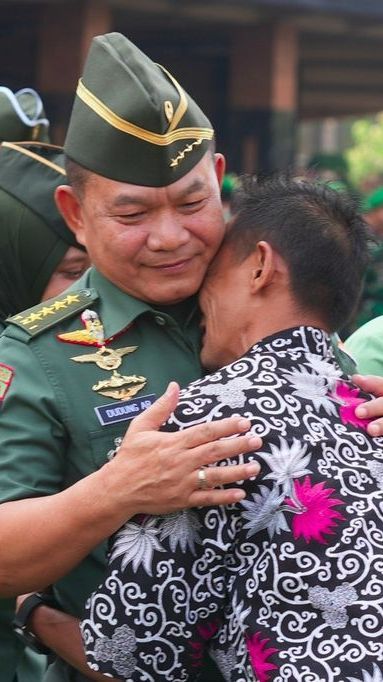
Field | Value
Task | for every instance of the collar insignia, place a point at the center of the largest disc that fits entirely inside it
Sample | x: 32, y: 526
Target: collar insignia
x: 91, y: 335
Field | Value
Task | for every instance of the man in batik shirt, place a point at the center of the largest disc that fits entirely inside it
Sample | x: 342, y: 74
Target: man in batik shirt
x: 287, y: 584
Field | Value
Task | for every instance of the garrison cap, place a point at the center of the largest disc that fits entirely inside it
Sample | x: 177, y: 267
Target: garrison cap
x: 22, y: 116
x: 131, y: 120
x: 30, y: 172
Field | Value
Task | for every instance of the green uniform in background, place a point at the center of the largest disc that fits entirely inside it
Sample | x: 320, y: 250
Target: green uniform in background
x: 366, y: 347
x: 371, y: 304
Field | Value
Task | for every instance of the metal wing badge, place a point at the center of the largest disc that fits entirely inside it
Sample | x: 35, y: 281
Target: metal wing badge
x: 106, y: 358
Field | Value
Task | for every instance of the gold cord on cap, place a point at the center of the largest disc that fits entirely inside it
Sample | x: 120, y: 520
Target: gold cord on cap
x: 119, y: 123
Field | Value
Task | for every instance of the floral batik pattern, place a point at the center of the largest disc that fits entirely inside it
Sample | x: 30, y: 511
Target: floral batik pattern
x: 286, y: 585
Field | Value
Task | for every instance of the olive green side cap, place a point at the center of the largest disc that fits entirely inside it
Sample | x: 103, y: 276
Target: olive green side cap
x: 131, y: 120
x: 30, y: 172
x: 22, y: 116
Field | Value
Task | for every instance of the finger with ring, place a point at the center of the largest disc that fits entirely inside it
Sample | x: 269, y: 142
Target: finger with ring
x: 202, y: 479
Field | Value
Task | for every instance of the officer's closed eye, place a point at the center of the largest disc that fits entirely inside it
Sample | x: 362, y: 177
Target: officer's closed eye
x: 194, y: 205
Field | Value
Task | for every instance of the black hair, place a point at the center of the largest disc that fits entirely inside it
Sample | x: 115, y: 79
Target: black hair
x: 77, y: 175
x: 318, y: 233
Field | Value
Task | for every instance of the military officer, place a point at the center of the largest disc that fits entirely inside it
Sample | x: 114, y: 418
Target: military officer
x: 145, y: 201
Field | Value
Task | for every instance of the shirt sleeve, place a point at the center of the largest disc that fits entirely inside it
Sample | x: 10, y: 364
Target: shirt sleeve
x: 32, y: 436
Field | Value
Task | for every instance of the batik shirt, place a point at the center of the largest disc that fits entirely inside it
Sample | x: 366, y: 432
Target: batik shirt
x: 284, y: 585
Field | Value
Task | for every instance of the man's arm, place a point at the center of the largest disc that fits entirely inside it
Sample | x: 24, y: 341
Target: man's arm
x: 61, y: 633
x: 152, y: 473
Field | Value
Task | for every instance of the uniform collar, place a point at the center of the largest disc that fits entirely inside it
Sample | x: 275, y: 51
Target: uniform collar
x: 117, y: 309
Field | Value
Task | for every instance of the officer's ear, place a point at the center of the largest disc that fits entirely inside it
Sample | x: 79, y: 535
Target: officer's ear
x: 219, y: 165
x: 70, y: 209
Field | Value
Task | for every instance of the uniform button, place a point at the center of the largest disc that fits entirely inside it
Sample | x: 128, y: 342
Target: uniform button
x: 87, y: 292
x: 160, y: 320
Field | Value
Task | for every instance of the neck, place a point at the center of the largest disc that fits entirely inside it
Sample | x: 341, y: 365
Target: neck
x: 273, y: 320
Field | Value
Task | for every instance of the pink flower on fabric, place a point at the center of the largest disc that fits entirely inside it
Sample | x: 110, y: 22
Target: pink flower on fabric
x: 319, y: 517
x: 206, y: 632
x: 349, y: 398
x: 259, y: 655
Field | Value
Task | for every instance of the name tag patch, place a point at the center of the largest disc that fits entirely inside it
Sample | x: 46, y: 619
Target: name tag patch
x: 123, y: 410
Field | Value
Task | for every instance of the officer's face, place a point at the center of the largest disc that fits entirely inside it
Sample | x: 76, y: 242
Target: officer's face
x: 154, y: 243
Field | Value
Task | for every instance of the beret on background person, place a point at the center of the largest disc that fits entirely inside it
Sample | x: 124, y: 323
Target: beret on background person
x: 33, y: 236
x: 22, y: 116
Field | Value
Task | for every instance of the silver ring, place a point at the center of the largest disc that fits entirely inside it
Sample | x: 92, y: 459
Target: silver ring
x: 202, y: 479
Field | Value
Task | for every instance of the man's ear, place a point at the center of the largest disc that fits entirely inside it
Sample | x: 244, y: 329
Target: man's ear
x: 263, y: 271
x: 70, y: 209
x: 220, y: 167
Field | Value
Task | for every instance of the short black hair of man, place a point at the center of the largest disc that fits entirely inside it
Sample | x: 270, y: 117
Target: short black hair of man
x: 77, y: 175
x: 316, y: 231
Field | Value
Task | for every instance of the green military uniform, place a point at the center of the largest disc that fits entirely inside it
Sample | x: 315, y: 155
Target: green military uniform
x: 51, y: 434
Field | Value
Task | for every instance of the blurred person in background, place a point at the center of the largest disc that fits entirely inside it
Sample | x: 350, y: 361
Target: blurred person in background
x: 371, y: 303
x: 39, y: 255
x: 329, y: 168
x: 39, y: 258
x: 228, y: 188
x: 372, y: 210
x: 22, y: 116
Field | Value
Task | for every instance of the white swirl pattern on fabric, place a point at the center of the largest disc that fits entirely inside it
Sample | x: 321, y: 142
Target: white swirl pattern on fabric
x: 286, y: 586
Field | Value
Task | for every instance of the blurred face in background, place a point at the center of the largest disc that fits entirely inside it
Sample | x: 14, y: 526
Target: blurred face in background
x: 70, y: 268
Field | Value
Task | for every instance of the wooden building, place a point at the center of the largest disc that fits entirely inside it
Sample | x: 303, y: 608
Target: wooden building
x: 257, y: 67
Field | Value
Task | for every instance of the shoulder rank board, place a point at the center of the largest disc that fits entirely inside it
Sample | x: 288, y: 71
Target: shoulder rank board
x: 48, y: 313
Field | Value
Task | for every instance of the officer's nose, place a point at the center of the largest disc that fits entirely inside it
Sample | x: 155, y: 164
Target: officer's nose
x: 168, y: 234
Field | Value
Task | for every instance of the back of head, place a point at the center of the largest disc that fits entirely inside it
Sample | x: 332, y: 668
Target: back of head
x: 33, y: 236
x: 317, y: 232
x: 22, y: 116
x: 131, y: 120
